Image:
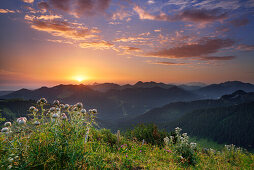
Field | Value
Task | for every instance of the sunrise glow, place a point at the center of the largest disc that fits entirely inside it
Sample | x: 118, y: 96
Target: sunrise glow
x: 80, y: 78
x: 125, y: 41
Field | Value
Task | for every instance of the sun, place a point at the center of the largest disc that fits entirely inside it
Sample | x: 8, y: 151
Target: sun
x: 79, y: 78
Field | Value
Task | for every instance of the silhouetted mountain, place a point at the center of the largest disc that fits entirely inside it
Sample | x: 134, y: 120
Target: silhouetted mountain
x: 217, y: 90
x: 104, y: 87
x: 232, y: 124
x: 151, y: 84
x: 5, y: 93
x: 174, y: 111
x: 112, y: 104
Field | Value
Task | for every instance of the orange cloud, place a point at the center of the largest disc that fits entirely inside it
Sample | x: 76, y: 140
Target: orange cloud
x: 191, y: 15
x: 4, y: 11
x: 62, y: 28
x: 97, y: 45
x: 28, y: 1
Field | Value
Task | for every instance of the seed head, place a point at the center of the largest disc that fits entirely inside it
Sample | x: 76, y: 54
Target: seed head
x: 56, y: 102
x: 7, y: 124
x: 32, y: 108
x: 5, y: 129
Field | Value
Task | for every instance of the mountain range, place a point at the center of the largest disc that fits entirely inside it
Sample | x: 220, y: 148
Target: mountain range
x: 203, y: 111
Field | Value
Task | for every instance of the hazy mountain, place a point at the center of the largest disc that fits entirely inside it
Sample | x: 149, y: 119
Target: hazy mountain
x: 174, y: 111
x: 112, y: 103
x: 151, y: 84
x: 2, y: 93
x: 217, y: 90
x: 104, y: 87
x: 231, y: 124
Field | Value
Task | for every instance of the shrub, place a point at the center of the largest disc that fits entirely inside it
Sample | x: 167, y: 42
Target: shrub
x: 149, y: 133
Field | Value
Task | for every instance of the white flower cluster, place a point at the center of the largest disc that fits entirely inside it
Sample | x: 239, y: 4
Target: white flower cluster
x: 6, y: 129
x: 232, y: 148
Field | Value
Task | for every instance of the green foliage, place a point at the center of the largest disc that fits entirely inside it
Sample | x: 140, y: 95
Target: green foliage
x: 149, y: 133
x: 64, y: 137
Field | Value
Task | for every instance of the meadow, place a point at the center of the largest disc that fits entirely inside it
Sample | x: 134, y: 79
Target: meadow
x: 62, y: 136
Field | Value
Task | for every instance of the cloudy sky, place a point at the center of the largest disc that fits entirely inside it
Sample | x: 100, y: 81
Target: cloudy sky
x: 47, y: 42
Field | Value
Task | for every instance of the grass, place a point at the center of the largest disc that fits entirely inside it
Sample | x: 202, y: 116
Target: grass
x: 72, y: 142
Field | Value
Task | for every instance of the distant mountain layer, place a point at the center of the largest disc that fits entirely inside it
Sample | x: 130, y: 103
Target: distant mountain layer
x: 225, y: 120
x: 112, y: 104
x: 217, y: 90
x: 174, y: 111
x: 2, y: 93
x: 231, y: 125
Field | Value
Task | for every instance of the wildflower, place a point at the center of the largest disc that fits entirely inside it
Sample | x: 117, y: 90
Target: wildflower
x: 126, y: 156
x: 42, y: 101
x: 16, y: 157
x: 57, y: 109
x: 61, y: 105
x: 83, y: 111
x: 177, y: 130
x: 55, y: 115
x: 75, y: 109
x: 5, y: 130
x: 36, y: 110
x: 10, y: 166
x: 64, y: 117
x: 52, y: 109
x: 56, y: 102
x: 193, y: 145
x: 36, y: 123
x: 66, y: 106
x: 184, y: 135
x: 92, y: 111
x: 21, y: 120
x: 169, y: 151
x: 6, y: 124
x: 140, y: 151
x: 10, y: 159
x: 79, y: 105
x: 166, y: 140
x: 32, y: 108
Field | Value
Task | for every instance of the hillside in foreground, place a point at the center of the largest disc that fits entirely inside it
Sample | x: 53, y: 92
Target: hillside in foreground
x: 65, y: 137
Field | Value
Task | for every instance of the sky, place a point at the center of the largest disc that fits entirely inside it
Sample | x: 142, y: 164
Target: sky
x: 48, y: 42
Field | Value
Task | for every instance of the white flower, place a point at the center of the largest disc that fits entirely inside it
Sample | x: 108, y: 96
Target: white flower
x: 83, y: 111
x: 10, y: 159
x: 36, y: 123
x: 21, y: 120
x: 66, y: 106
x: 166, y: 140
x: 193, y: 145
x: 79, y: 105
x: 54, y: 116
x: 56, y: 102
x: 64, y: 117
x: 5, y: 129
x: 6, y: 124
x: 42, y: 101
x: 32, y: 108
x: 52, y: 109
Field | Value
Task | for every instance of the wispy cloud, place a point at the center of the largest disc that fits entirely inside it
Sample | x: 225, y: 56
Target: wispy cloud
x: 245, y: 47
x: 169, y: 63
x: 201, y: 49
x: 4, y: 11
x: 28, y: 1
x: 61, y: 28
x: 191, y: 15
x: 97, y: 45
x: 81, y: 7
